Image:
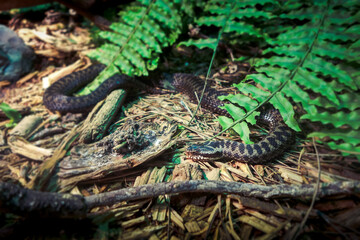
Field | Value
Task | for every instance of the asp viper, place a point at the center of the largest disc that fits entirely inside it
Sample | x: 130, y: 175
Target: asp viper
x: 280, y: 136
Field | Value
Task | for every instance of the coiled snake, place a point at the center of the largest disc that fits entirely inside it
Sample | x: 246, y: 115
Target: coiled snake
x: 56, y: 98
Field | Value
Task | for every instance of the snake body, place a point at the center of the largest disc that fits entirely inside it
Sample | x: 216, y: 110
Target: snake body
x: 56, y: 98
x: 280, y: 136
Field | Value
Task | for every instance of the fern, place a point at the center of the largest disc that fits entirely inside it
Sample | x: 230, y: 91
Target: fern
x: 136, y: 40
x: 312, y: 61
x: 217, y: 10
x: 235, y: 29
x: 41, y: 7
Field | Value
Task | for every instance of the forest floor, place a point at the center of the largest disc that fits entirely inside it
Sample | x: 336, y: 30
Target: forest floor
x: 32, y: 159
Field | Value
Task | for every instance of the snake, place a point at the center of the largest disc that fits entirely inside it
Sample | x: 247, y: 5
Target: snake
x: 58, y: 98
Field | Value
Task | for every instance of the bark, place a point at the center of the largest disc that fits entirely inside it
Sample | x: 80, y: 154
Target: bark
x: 26, y: 202
x: 221, y: 187
x: 18, y: 200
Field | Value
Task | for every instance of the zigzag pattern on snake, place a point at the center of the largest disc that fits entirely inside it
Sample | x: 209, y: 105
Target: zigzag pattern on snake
x: 280, y: 136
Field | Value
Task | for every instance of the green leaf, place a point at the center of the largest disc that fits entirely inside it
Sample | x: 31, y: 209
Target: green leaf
x: 278, y: 74
x: 286, y: 110
x: 341, y: 17
x: 238, y: 113
x: 256, y: 93
x: 336, y: 33
x: 242, y: 28
x: 217, y: 21
x: 300, y: 14
x: 319, y: 65
x: 166, y: 6
x: 349, y: 101
x: 11, y: 113
x: 144, y: 29
x: 132, y: 56
x: 285, y: 62
x: 337, y: 119
x: 148, y: 39
x: 355, y: 45
x: 215, y: 9
x: 331, y: 50
x: 242, y: 100
x: 291, y: 51
x: 349, y: 136
x: 242, y: 128
x: 291, y: 89
x: 346, y: 149
x: 124, y: 65
x: 152, y: 63
x: 303, y: 35
x: 311, y: 81
x: 201, y: 43
x: 154, y: 30
x: 253, y: 3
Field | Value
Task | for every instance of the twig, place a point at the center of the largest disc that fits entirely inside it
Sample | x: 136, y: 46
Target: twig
x: 16, y: 199
x: 221, y: 187
x: 211, y: 62
x: 317, y: 186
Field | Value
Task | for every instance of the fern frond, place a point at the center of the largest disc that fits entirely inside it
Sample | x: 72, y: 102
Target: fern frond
x: 201, y: 43
x: 236, y: 16
x: 310, y: 57
x: 134, y: 43
x: 242, y: 13
x: 326, y: 40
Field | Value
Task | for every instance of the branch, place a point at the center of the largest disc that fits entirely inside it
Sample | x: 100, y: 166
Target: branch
x: 16, y: 199
x: 23, y: 201
x: 221, y: 187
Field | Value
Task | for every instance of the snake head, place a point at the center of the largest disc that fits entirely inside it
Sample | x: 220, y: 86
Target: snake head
x: 203, y: 152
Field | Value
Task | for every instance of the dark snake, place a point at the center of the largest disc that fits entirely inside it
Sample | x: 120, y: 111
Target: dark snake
x: 280, y: 136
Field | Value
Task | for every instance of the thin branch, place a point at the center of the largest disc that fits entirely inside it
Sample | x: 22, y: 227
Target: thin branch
x: 317, y: 186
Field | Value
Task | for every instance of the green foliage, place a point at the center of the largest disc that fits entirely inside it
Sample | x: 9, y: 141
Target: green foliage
x: 237, y: 26
x: 135, y: 42
x: 310, y: 58
x: 41, y: 7
x: 12, y: 114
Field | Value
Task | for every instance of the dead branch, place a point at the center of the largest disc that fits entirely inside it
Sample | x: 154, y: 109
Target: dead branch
x: 221, y: 187
x: 26, y: 202
x: 19, y: 200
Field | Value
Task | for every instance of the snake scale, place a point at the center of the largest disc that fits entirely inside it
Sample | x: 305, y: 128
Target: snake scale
x: 280, y: 136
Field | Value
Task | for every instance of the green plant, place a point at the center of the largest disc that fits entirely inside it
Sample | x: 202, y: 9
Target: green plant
x: 11, y: 113
x: 134, y: 43
x: 41, y: 7
x: 310, y: 58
